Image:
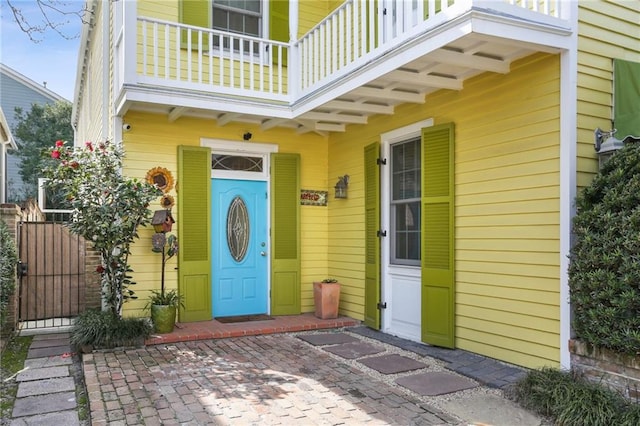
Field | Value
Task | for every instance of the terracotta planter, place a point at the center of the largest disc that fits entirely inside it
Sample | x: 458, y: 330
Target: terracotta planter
x: 327, y: 299
x: 163, y: 317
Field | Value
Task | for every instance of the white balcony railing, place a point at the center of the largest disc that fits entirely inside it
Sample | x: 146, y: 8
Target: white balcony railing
x: 168, y: 54
x: 204, y: 59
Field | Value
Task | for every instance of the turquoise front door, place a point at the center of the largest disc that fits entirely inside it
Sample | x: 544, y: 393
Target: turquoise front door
x: 239, y: 273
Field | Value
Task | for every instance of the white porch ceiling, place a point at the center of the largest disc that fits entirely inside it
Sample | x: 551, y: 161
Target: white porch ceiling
x: 445, y: 68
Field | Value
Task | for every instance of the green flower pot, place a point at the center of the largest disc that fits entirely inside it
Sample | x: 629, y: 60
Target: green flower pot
x: 163, y: 317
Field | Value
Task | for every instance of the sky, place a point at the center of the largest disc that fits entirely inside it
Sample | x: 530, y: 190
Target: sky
x: 53, y: 59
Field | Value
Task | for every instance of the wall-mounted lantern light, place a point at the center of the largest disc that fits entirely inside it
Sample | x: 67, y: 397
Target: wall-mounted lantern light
x: 341, y: 186
x: 605, y: 145
x: 162, y: 221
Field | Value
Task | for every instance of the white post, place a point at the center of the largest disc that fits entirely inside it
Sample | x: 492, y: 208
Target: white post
x: 293, y: 63
x: 130, y: 40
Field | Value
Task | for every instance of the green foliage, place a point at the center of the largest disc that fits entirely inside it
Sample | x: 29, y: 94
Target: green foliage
x: 573, y: 400
x: 103, y: 329
x: 8, y: 262
x: 11, y: 362
x: 604, y: 272
x: 34, y: 131
x: 108, y: 208
x: 169, y: 298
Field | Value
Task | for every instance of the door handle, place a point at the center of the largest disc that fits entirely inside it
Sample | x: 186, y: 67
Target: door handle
x: 263, y: 253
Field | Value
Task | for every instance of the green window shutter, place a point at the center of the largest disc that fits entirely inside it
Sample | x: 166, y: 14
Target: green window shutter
x: 438, y: 292
x: 194, y: 232
x: 372, y: 242
x: 279, y: 26
x: 198, y: 14
x: 626, y: 98
x: 285, y: 234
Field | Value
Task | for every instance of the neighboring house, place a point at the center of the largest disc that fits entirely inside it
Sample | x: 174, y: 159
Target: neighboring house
x: 6, y: 143
x: 16, y: 90
x: 466, y: 128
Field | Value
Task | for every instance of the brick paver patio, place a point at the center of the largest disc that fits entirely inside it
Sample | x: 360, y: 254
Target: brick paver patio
x: 268, y: 379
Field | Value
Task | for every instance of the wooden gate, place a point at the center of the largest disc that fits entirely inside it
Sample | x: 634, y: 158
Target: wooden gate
x: 52, y: 275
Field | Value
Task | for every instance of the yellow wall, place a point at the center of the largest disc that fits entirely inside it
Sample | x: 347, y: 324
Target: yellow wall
x: 507, y: 209
x: 153, y: 142
x: 608, y: 30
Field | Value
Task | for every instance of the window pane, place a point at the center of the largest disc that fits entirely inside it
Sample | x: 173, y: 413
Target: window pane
x: 220, y: 18
x: 401, y: 246
x: 236, y: 22
x: 252, y: 5
x: 413, y: 246
x: 252, y: 25
x: 406, y: 170
x: 238, y: 16
x: 405, y: 203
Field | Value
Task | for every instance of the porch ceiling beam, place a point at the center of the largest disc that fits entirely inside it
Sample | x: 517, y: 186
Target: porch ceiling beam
x: 359, y: 107
x: 330, y: 127
x: 307, y: 126
x: 425, y: 79
x: 271, y: 123
x: 469, y: 60
x: 388, y: 94
x: 176, y: 113
x: 224, y: 119
x: 334, y: 118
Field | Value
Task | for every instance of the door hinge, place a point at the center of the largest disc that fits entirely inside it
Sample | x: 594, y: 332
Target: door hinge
x: 384, y: 11
x: 381, y: 233
x: 382, y: 305
x: 381, y: 161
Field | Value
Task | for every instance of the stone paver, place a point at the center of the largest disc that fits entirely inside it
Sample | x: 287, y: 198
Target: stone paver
x: 322, y: 339
x: 435, y: 383
x: 392, y: 364
x: 41, y: 404
x: 47, y: 351
x: 62, y: 418
x: 41, y: 387
x: 354, y: 350
x: 42, y: 373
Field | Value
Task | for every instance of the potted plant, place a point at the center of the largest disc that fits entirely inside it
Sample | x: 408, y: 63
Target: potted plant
x: 164, y: 303
x: 326, y: 296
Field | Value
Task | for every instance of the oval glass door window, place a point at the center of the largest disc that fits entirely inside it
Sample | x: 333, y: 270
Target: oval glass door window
x: 238, y: 229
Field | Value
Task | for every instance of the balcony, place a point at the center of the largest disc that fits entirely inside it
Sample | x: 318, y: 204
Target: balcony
x: 359, y: 61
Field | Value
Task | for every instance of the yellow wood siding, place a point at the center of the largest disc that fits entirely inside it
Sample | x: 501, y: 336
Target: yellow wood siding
x: 310, y: 13
x: 507, y: 209
x: 607, y: 30
x: 90, y: 106
x: 153, y: 142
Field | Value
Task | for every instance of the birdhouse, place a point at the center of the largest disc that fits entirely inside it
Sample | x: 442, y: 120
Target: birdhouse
x: 162, y: 221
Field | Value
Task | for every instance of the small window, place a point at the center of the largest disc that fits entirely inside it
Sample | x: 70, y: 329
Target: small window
x: 236, y: 163
x: 405, y: 202
x: 239, y: 17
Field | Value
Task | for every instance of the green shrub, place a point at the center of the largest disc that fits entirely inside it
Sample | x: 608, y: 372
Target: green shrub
x: 571, y: 399
x: 103, y: 329
x: 8, y: 262
x: 604, y: 272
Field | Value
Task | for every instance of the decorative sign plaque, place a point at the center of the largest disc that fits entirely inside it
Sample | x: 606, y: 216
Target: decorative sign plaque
x: 309, y: 197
